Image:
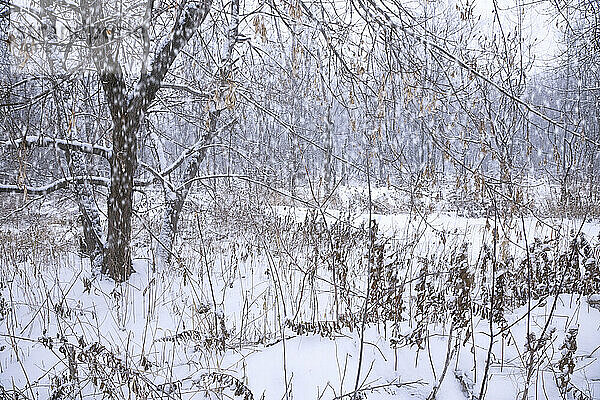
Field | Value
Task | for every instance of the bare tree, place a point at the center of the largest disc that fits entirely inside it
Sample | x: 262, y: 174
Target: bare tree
x: 127, y: 106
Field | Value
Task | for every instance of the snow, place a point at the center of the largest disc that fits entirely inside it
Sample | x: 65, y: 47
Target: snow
x: 269, y: 287
x: 132, y: 319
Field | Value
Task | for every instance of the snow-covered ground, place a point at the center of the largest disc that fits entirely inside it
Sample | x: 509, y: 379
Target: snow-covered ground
x: 226, y: 321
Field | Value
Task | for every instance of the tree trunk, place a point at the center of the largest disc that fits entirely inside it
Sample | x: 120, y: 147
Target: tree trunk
x: 117, y: 260
x: 89, y: 214
x: 174, y: 200
x: 88, y: 210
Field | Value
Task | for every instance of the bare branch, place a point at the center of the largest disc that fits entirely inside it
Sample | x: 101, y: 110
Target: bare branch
x: 251, y: 180
x: 200, y: 145
x: 64, y: 183
x: 191, y: 18
x: 435, y: 47
x: 54, y: 186
x: 63, y: 144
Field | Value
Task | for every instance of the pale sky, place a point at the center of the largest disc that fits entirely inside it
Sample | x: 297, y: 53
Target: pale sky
x: 537, y: 25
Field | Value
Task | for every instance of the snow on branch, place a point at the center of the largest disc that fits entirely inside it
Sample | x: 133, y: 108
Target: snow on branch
x: 200, y: 145
x: 63, y: 184
x: 54, y: 186
x: 63, y: 144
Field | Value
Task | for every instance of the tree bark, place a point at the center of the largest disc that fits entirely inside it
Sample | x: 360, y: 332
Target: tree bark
x: 117, y: 261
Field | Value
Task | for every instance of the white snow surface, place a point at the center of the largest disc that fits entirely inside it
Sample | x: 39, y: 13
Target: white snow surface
x: 46, y: 300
